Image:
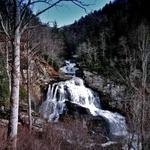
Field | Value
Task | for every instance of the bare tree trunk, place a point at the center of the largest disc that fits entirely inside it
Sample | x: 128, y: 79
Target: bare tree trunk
x: 18, y: 20
x: 14, y: 98
x: 7, y: 64
x: 144, y: 78
x: 143, y: 44
x: 28, y: 90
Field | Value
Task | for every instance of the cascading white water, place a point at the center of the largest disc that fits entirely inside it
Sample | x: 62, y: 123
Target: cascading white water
x: 69, y: 68
x: 74, y: 91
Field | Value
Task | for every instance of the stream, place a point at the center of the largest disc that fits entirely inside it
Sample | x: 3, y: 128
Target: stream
x: 74, y: 91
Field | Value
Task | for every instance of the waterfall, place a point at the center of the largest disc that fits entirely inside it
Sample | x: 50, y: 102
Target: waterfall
x: 69, y: 68
x: 74, y: 91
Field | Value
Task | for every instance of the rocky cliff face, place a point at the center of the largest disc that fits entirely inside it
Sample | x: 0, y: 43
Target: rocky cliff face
x: 112, y: 94
x: 41, y: 75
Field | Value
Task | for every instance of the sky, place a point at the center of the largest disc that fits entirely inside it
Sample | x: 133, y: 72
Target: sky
x: 66, y: 13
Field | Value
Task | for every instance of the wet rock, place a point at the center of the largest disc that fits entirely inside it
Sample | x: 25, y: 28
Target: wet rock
x: 76, y: 110
x: 37, y: 122
x: 112, y: 94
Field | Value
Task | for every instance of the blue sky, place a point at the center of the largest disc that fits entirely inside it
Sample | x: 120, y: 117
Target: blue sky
x: 67, y: 12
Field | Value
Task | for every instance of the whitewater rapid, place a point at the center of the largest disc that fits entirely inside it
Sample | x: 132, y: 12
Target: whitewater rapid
x: 74, y: 91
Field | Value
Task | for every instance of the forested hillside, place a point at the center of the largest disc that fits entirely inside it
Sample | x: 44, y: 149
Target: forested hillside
x: 91, y: 77
x: 115, y: 42
x: 107, y: 37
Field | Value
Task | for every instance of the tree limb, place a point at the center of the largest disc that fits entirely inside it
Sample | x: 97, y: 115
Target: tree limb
x: 76, y: 2
x: 3, y: 26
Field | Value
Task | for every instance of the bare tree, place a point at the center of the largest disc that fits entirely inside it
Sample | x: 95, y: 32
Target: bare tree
x: 31, y: 50
x: 137, y: 80
x: 144, y: 51
x: 88, y: 53
x: 103, y: 43
x: 20, y: 22
x: 51, y: 43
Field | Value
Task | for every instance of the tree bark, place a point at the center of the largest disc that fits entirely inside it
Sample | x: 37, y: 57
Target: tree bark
x: 14, y: 97
x: 7, y: 63
x: 28, y: 90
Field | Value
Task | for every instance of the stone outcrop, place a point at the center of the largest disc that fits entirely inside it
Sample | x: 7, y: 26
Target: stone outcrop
x: 113, y: 94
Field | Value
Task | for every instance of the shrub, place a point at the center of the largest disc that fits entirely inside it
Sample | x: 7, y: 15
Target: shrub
x: 65, y: 135
x: 3, y: 142
x: 23, y: 93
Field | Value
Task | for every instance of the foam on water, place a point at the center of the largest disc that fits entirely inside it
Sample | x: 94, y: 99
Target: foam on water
x: 76, y: 92
x: 69, y: 68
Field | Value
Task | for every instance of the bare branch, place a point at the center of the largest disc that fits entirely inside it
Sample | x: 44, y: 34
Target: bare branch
x: 39, y: 1
x: 3, y: 26
x: 42, y: 11
x: 76, y: 2
x: 81, y: 5
x: 24, y: 11
x: 29, y: 28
